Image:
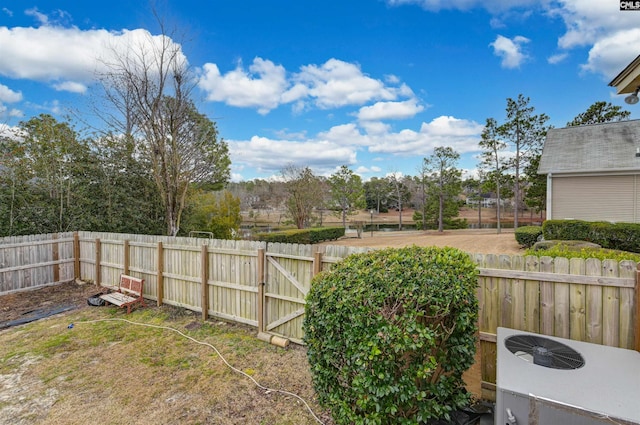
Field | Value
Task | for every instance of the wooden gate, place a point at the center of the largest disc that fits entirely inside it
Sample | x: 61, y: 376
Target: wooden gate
x: 288, y: 271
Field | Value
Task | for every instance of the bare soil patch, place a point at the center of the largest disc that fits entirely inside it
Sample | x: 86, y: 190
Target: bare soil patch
x: 479, y: 241
x: 19, y: 304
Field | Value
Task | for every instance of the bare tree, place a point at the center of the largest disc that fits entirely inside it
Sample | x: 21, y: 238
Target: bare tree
x: 149, y: 86
x: 399, y: 194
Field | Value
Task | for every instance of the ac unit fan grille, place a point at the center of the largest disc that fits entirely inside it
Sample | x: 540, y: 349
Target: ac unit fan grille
x: 544, y: 352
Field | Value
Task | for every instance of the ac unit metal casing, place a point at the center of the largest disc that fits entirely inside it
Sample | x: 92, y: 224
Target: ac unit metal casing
x: 605, y: 390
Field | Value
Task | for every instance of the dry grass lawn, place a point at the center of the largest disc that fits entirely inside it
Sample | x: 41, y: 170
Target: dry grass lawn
x: 114, y: 372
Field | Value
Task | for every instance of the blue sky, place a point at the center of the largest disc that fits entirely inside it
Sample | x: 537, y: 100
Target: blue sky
x: 372, y: 84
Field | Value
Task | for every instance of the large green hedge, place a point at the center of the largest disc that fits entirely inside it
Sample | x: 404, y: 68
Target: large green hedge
x: 303, y: 236
x: 390, y: 333
x: 619, y: 236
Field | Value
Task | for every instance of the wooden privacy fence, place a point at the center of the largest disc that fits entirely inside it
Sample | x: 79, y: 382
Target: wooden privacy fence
x: 246, y: 282
x: 28, y: 262
x: 585, y: 300
x: 265, y: 285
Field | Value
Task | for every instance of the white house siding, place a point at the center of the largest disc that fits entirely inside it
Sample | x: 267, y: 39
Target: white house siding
x: 594, y: 198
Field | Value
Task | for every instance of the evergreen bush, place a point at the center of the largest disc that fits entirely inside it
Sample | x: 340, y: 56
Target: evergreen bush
x: 390, y: 333
x: 302, y: 236
x: 528, y: 235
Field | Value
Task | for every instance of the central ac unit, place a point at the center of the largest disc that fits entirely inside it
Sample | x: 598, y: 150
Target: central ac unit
x: 546, y: 380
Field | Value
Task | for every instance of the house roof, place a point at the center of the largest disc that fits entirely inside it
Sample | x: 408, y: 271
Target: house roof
x: 607, y: 147
x: 629, y: 79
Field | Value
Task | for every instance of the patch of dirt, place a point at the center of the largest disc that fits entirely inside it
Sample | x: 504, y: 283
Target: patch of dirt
x: 477, y: 241
x: 17, y: 305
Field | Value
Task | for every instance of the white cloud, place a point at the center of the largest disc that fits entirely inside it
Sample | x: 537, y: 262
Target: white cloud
x: 612, y: 54
x: 7, y: 131
x: 345, y: 135
x: 262, y: 87
x: 554, y: 59
x: 8, y: 12
x: 491, y: 5
x: 268, y: 155
x: 236, y: 177
x: 39, y: 16
x: 510, y: 50
x: 9, y: 96
x: 70, y: 86
x: 340, y: 144
x: 35, y: 53
x: 366, y: 170
x: 609, y: 33
x: 390, y: 110
x: 337, y: 83
x: 461, y: 135
x: 266, y: 86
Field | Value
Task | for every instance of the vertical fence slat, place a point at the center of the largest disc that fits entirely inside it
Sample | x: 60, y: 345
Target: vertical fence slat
x: 76, y: 256
x: 547, y: 299
x: 204, y: 281
x: 518, y: 298
x: 562, y: 300
x: 98, y: 279
x: 505, y: 288
x: 610, y: 314
x: 55, y: 256
x: 594, y: 299
x: 637, y: 321
x: 489, y: 324
x: 627, y: 314
x: 160, y: 274
x: 577, y: 301
x: 532, y: 296
x: 126, y: 257
x: 261, y: 282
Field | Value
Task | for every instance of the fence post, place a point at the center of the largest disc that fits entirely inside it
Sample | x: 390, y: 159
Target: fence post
x: 637, y: 301
x: 261, y: 283
x: 98, y: 256
x: 55, y: 254
x: 317, y: 263
x: 204, y: 275
x: 159, y: 281
x: 126, y: 257
x: 76, y: 256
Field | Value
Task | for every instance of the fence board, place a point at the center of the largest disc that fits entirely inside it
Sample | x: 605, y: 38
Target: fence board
x: 594, y: 301
x: 627, y: 307
x: 577, y: 302
x: 532, y: 296
x: 547, y: 299
x: 610, y: 318
x: 562, y: 300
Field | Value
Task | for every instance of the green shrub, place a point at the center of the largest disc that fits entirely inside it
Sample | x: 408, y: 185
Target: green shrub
x: 619, y: 236
x: 528, y: 235
x: 390, y: 333
x: 568, y: 230
x: 571, y: 250
x: 302, y: 236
